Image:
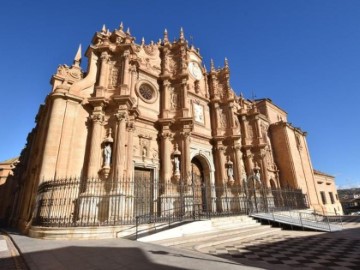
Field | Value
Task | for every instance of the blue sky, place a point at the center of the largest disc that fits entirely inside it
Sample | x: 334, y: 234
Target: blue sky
x: 302, y: 54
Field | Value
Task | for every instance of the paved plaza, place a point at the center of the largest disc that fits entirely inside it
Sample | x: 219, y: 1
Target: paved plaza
x: 279, y: 249
x: 288, y: 250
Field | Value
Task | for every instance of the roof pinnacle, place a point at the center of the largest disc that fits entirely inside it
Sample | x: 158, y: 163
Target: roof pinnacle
x: 212, y: 67
x: 166, y: 38
x: 121, y: 26
x: 182, y: 38
x: 128, y: 31
x: 226, y: 63
x: 103, y: 29
x: 77, y: 58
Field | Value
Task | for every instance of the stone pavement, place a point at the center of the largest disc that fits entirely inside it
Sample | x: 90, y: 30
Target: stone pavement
x: 9, y: 256
x: 111, y: 254
x: 295, y: 249
x: 278, y: 250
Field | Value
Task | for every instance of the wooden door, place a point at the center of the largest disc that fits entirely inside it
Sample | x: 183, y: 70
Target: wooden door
x: 143, y: 192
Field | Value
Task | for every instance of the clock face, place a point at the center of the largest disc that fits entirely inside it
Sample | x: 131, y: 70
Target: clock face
x: 195, y: 70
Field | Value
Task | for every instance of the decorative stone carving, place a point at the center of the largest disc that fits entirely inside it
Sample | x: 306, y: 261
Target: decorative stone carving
x: 230, y: 171
x: 174, y: 99
x: 107, y: 154
x: 176, y: 155
x: 144, y: 142
x: 223, y: 120
x: 120, y: 116
x: 70, y: 74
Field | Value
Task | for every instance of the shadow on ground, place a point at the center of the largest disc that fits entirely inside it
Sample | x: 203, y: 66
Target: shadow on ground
x: 288, y: 251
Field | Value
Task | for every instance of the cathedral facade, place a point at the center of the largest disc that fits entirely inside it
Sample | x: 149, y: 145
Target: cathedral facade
x: 153, y: 111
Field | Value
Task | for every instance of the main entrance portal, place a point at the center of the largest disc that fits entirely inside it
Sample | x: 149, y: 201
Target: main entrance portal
x: 143, y: 191
x: 198, y: 180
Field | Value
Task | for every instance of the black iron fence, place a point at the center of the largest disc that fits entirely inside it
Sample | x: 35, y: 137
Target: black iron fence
x: 94, y: 202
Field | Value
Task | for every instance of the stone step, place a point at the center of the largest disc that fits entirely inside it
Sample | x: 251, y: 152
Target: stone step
x: 209, y: 235
x: 201, y: 245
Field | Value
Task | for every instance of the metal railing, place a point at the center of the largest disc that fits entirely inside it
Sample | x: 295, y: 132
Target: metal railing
x: 94, y: 202
x: 310, y: 220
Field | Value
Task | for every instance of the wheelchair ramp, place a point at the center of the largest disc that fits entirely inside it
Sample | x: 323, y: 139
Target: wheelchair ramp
x: 301, y: 219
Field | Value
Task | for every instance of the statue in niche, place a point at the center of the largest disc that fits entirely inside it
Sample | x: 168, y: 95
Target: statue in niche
x: 144, y: 152
x: 230, y: 170
x: 107, y: 155
x: 176, y: 154
x: 177, y: 165
x: 107, y: 149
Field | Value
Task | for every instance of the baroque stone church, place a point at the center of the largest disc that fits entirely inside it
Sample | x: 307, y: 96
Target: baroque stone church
x: 152, y: 111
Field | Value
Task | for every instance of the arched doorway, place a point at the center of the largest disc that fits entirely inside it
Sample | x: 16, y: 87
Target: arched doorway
x: 199, y: 184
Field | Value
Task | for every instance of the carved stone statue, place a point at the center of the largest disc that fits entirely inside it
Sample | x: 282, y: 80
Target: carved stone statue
x: 230, y: 170
x: 107, y: 155
x: 177, y: 165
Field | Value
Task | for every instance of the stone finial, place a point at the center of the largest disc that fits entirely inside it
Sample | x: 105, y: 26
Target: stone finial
x: 205, y: 68
x: 128, y: 31
x: 143, y: 41
x: 226, y: 63
x: 121, y: 26
x: 212, y: 66
x: 166, y: 38
x: 77, y: 58
x: 103, y: 29
x: 182, y: 37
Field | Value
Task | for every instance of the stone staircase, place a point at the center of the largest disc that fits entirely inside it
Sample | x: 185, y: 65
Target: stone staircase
x: 211, y: 232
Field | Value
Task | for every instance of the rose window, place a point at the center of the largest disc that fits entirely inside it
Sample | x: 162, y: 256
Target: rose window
x: 146, y: 92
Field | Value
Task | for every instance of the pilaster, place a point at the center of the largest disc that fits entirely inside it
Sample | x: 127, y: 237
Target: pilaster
x: 130, y: 132
x: 104, y: 69
x: 126, y: 74
x: 186, y: 163
x: 120, y: 147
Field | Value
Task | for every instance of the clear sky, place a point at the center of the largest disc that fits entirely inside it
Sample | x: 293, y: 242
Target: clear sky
x: 302, y: 54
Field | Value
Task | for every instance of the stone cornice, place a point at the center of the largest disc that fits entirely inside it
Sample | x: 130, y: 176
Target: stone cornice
x: 66, y: 95
x: 287, y: 124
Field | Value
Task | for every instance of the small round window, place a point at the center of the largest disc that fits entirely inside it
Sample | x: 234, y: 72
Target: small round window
x: 146, y: 92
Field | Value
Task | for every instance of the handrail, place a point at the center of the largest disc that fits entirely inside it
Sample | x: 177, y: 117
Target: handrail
x: 303, y: 219
x: 168, y: 216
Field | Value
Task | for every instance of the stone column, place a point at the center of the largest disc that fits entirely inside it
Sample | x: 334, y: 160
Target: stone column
x: 166, y: 146
x: 129, y: 165
x: 219, y: 153
x: 95, y: 144
x: 263, y: 166
x: 133, y: 82
x: 104, y: 69
x: 244, y: 123
x: 249, y: 162
x: 126, y: 75
x: 258, y: 129
x: 166, y: 98
x: 238, y: 157
x: 186, y: 163
x: 184, y: 107
x: 119, y: 149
